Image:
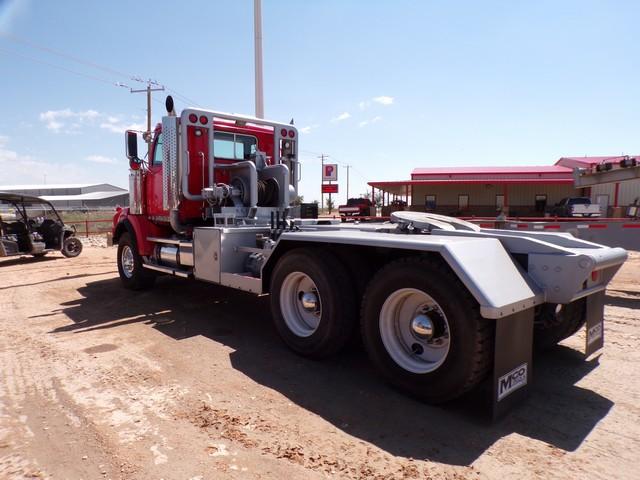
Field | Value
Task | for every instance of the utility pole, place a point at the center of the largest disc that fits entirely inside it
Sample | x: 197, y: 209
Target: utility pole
x: 322, y: 157
x: 257, y: 34
x: 347, y: 167
x: 148, y: 90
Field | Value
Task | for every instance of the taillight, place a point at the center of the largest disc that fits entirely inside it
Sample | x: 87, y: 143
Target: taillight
x: 283, y: 132
x: 193, y: 118
x: 204, y: 120
x: 594, y: 276
x: 292, y: 133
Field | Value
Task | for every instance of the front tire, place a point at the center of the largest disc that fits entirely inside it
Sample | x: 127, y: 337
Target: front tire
x: 132, y: 274
x: 313, y: 303
x: 71, y: 247
x: 423, y: 331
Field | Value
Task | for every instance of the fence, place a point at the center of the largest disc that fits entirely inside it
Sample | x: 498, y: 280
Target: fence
x: 88, y: 227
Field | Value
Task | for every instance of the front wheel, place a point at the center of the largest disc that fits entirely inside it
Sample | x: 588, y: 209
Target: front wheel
x: 132, y: 274
x: 423, y: 331
x: 71, y: 247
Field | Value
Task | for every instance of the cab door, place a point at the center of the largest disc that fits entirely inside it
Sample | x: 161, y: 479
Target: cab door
x: 153, y: 179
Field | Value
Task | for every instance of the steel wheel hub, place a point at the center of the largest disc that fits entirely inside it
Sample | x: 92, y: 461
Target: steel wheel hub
x: 414, y: 330
x: 300, y: 304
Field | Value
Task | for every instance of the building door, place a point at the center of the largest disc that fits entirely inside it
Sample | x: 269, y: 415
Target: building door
x: 463, y: 203
x: 603, y: 201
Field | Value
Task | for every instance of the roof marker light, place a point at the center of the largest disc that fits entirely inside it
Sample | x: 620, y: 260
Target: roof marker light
x: 193, y: 118
x: 292, y: 133
x: 283, y: 132
x: 204, y: 120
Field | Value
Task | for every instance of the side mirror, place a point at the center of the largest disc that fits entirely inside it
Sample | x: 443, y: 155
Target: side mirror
x: 132, y: 145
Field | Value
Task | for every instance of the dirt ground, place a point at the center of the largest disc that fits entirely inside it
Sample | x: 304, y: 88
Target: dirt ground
x: 189, y: 381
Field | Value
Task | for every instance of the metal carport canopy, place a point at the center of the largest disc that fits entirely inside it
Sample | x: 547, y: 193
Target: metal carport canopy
x: 400, y: 187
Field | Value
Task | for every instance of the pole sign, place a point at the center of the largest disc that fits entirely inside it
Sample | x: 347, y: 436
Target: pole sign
x: 330, y: 188
x: 330, y: 172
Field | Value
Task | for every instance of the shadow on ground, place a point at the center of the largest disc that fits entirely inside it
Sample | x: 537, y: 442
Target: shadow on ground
x: 345, y: 390
x: 26, y: 260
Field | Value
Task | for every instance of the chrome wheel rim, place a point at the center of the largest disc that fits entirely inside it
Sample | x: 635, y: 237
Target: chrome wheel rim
x: 300, y: 304
x: 414, y: 330
x: 127, y: 262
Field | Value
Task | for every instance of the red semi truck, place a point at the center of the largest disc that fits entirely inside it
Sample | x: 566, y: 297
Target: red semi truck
x: 441, y: 304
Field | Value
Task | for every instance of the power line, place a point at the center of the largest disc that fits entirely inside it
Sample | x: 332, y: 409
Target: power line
x: 91, y: 64
x: 68, y: 70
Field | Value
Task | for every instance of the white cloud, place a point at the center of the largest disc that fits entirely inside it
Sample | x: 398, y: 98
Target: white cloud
x: 342, y: 116
x: 71, y: 122
x: 305, y: 130
x: 102, y: 159
x: 119, y: 127
x: 56, y: 120
x: 375, y: 119
x: 22, y: 169
x: 383, y: 100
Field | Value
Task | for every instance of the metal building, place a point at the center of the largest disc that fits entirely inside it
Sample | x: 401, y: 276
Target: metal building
x: 517, y: 190
x: 74, y: 196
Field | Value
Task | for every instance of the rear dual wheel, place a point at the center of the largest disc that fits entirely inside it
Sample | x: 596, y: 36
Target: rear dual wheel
x: 421, y: 327
x: 554, y: 322
x: 423, y: 330
x: 313, y: 302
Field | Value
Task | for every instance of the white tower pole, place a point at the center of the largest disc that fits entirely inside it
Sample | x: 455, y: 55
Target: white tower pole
x: 257, y: 30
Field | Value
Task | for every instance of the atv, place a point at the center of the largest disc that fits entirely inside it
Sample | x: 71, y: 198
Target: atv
x: 31, y: 226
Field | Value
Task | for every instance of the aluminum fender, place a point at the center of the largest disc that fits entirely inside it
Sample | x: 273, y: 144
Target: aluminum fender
x: 482, y: 264
x: 565, y: 278
x: 560, y: 264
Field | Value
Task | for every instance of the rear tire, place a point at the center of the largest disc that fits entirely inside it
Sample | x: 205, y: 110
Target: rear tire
x: 132, y: 274
x: 436, y: 366
x: 551, y: 327
x: 71, y: 247
x: 313, y: 302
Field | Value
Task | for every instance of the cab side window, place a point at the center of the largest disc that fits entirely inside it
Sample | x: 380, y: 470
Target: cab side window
x: 157, y: 152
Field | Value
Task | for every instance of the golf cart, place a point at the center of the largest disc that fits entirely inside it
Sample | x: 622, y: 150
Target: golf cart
x: 31, y: 226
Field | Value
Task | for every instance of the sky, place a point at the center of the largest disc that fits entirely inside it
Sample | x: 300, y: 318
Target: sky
x: 383, y: 86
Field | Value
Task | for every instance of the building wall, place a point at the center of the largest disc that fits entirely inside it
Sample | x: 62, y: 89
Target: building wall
x: 482, y: 197
x: 627, y: 192
x: 112, y: 202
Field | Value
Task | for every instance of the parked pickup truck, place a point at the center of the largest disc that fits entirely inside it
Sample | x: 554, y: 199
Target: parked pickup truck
x: 576, y: 207
x: 355, y: 207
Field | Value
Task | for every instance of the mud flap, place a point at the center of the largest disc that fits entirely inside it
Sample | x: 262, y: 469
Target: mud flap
x: 512, y: 361
x: 594, y: 323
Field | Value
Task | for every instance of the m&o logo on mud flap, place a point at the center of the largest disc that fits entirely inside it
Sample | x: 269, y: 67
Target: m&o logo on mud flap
x: 594, y: 333
x: 511, y: 381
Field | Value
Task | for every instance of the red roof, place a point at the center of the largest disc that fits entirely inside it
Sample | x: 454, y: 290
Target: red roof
x: 457, y: 171
x: 508, y: 181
